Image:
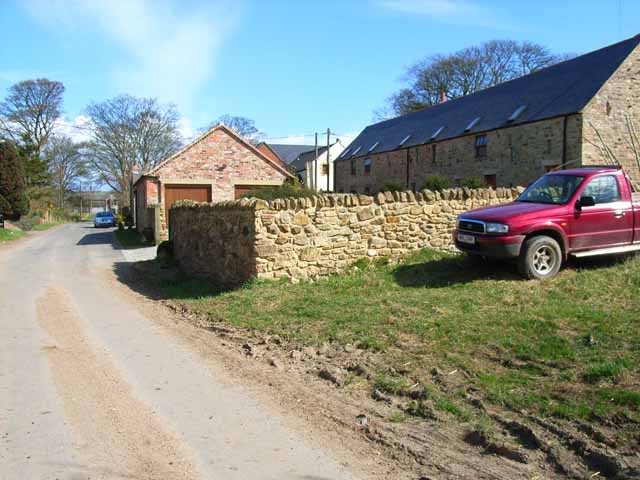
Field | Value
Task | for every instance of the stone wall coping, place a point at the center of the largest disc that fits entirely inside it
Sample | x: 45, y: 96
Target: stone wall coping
x: 355, y: 199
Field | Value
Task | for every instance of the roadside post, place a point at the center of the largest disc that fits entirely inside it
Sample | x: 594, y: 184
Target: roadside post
x: 1, y: 221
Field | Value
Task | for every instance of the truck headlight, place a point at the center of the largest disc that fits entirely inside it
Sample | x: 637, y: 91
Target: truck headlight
x: 497, y: 228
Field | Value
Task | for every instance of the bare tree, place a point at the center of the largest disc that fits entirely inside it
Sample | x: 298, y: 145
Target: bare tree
x: 633, y: 140
x: 30, y: 111
x: 66, y: 165
x: 127, y: 132
x: 468, y: 71
x: 245, y: 127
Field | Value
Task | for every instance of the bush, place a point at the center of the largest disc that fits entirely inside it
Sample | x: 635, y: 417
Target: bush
x: 473, y: 182
x: 13, y: 199
x: 293, y: 189
x: 435, y: 183
x: 393, y: 186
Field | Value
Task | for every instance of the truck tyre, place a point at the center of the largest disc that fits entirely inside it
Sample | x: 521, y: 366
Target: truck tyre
x: 540, y: 258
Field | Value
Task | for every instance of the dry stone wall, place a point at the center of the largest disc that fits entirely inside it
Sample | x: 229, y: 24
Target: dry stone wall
x: 305, y: 238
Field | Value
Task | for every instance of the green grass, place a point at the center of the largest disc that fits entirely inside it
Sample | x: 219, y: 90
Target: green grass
x: 550, y: 347
x: 45, y: 226
x: 131, y: 239
x: 7, y: 234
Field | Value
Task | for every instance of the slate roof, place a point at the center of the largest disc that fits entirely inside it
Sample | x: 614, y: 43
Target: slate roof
x: 561, y: 89
x: 300, y: 163
x: 288, y: 153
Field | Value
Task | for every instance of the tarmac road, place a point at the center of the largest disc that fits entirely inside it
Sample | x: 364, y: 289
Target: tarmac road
x: 91, y: 389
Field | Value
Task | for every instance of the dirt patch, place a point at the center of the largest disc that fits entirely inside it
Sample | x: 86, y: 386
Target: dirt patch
x: 117, y: 436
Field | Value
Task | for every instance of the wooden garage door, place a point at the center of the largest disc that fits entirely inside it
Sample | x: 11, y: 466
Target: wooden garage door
x: 197, y: 193
x: 242, y: 189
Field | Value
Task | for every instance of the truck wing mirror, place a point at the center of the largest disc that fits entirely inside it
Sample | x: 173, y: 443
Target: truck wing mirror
x: 586, y: 201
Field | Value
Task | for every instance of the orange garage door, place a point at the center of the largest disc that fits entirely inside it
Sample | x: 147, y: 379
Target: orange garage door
x: 197, y: 193
x: 242, y: 189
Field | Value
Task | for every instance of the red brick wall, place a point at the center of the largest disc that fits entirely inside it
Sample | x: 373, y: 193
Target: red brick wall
x: 222, y: 160
x: 269, y: 153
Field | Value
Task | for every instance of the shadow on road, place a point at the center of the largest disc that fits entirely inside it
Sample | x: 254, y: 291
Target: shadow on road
x: 98, y: 238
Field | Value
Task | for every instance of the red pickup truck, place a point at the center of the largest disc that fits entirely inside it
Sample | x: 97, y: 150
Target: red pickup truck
x: 579, y: 212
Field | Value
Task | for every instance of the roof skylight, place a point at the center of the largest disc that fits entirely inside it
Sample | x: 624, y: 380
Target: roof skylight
x: 517, y: 112
x: 373, y: 147
x: 472, y: 124
x: 404, y: 140
x: 436, y: 133
x: 356, y: 150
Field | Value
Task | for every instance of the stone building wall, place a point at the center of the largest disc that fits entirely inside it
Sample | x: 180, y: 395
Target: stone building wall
x: 309, y: 237
x: 516, y: 156
x: 607, y: 115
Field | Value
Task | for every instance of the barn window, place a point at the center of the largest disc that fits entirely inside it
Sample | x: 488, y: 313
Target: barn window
x: 516, y: 113
x: 367, y: 166
x: 481, y: 147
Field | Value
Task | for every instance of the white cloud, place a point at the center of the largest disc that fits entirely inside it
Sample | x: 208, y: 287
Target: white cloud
x: 76, y: 128
x: 454, y: 12
x: 309, y: 139
x: 167, y: 50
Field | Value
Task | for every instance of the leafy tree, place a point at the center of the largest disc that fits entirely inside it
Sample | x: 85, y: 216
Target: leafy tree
x: 467, y: 71
x: 13, y: 201
x: 66, y: 165
x: 128, y: 132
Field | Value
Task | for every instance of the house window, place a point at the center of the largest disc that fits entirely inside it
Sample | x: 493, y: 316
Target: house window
x: 325, y: 169
x: 367, y: 166
x: 490, y: 181
x: 434, y: 150
x: 481, y: 147
x: 353, y: 167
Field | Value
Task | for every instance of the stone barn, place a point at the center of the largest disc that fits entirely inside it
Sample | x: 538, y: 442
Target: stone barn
x: 571, y: 114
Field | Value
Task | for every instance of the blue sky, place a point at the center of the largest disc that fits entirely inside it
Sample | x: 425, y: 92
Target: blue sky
x: 294, y: 66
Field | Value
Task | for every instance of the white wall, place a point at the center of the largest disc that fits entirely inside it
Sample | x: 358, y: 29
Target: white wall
x: 318, y: 180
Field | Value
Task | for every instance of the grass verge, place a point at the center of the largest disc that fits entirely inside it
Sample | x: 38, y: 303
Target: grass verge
x: 8, y: 234
x: 567, y: 348
x: 39, y: 227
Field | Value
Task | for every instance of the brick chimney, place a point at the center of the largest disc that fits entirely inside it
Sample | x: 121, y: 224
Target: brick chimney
x: 443, y: 96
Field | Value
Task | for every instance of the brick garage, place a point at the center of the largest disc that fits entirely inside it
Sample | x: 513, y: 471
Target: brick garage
x: 511, y: 133
x: 217, y: 166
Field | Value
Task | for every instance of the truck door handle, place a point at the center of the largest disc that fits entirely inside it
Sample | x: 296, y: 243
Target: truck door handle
x: 619, y: 213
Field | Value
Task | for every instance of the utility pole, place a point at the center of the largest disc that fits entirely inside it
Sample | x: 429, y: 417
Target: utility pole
x: 315, y: 167
x: 328, y: 159
x: 80, y: 199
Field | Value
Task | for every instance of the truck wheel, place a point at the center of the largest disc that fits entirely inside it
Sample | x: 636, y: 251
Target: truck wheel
x: 540, y: 258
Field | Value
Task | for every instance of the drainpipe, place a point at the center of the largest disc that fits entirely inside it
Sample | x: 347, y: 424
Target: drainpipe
x: 564, y: 141
x: 407, y: 161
